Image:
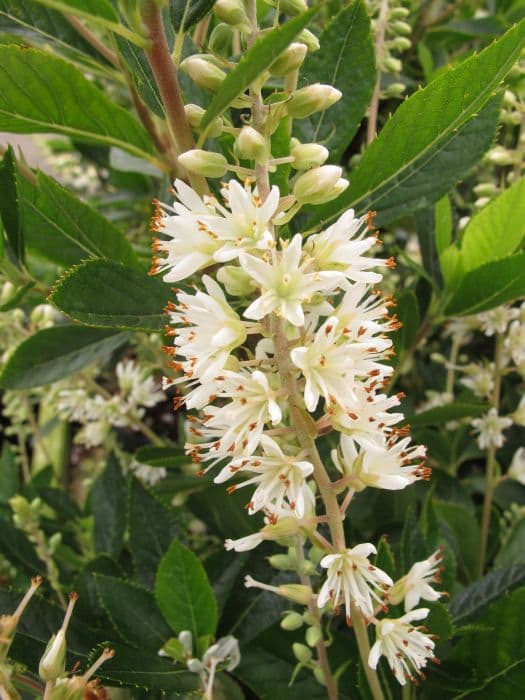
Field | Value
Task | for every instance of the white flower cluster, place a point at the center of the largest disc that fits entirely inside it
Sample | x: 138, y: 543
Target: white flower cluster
x: 311, y: 300
x: 98, y: 412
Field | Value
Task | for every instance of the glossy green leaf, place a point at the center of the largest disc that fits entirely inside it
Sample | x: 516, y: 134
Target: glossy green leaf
x: 57, y: 352
x: 443, y: 225
x: 30, y: 81
x: 489, y: 286
x: 108, y: 505
x: 125, y: 603
x: 430, y: 141
x: 184, y: 594
x: 257, y: 59
x: 63, y: 229
x: 106, y: 294
x: 464, y: 536
x: 10, y: 205
x: 513, y: 547
x: 497, y: 231
x: 141, y: 74
x: 168, y: 457
x: 184, y: 14
x: 407, y: 310
x: 439, y: 415
x: 151, y: 529
x: 345, y: 60
x: 8, y: 473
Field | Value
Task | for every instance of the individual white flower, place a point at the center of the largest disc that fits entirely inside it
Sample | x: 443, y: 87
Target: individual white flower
x: 147, y: 474
x: 364, y: 315
x: 208, y: 329
x: 72, y: 403
x: 330, y: 365
x: 244, y: 544
x: 416, y: 584
x: 352, y: 579
x: 392, y: 466
x: 224, y: 652
x: 518, y: 416
x: 236, y: 427
x: 341, y: 248
x: 517, y: 466
x: 94, y: 433
x: 279, y: 478
x: 367, y: 419
x: 285, y: 284
x: 462, y: 328
x: 135, y: 387
x: 406, y: 648
x: 490, y: 428
x: 496, y: 320
x: 479, y: 378
x: 515, y: 342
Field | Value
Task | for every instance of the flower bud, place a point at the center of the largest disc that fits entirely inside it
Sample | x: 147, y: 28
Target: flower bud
x: 308, y: 155
x: 221, y: 39
x: 308, y: 568
x: 233, y: 12
x: 399, y: 12
x: 194, y: 665
x: 203, y: 72
x: 320, y: 185
x: 282, y: 562
x: 307, y: 37
x: 400, y: 43
x: 500, y: 156
x: 290, y: 59
x: 314, y: 98
x: 205, y: 163
x: 313, y: 635
x: 319, y: 675
x: 394, y: 90
x: 392, y: 65
x: 8, y: 291
x: 296, y: 592
x: 73, y: 688
x: 400, y: 27
x: 251, y: 145
x: 53, y: 662
x: 237, y: 282
x: 194, y: 114
x: 289, y: 7
x: 301, y: 652
x: 292, y: 621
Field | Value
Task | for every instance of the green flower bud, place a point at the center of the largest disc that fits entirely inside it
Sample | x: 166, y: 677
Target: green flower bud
x: 311, y: 99
x: 53, y: 662
x: 486, y: 189
x: 73, y: 688
x: 394, y: 90
x: 399, y: 12
x: 221, y: 39
x: 320, y: 185
x: 233, y: 12
x: 307, y: 37
x: 392, y: 65
x: 400, y: 27
x: 174, y: 649
x: 319, y: 675
x: 281, y: 562
x: 313, y: 635
x: 499, y: 156
x: 292, y: 621
x: 205, y: 163
x: 308, y: 568
x: 194, y: 114
x: 237, y: 282
x: 400, y: 43
x: 289, y: 7
x: 308, y: 155
x: 8, y: 291
x: 203, y: 72
x: 290, y: 59
x: 251, y: 145
x: 301, y: 652
x: 296, y: 592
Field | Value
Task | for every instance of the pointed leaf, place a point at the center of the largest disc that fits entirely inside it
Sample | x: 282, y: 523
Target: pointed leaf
x: 108, y: 505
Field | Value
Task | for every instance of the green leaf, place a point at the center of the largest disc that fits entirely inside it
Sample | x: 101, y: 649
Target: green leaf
x: 139, y: 668
x: 385, y: 557
x: 63, y: 229
x: 433, y: 139
x: 54, y: 353
x: 10, y: 204
x: 443, y: 414
x: 17, y: 549
x: 108, y: 295
x: 127, y: 602
x: 345, y: 60
x: 473, y: 599
x: 31, y: 80
x: 184, y: 594
x: 443, y: 214
x: 439, y: 621
x: 142, y: 75
x: 8, y: 473
x: 257, y: 59
x: 489, y: 286
x: 151, y: 529
x: 413, y: 545
x: 168, y: 457
x: 462, y: 531
x: 108, y: 505
x: 407, y: 310
x: 513, y: 548
x: 497, y: 230
x: 498, y: 658
x: 184, y: 14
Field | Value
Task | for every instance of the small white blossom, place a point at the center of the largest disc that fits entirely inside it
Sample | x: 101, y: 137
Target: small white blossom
x: 279, y: 478
x: 518, y: 416
x: 490, y: 428
x: 515, y: 342
x: 407, y: 648
x: 416, y: 584
x: 496, y: 320
x: 147, y: 474
x: 352, y: 579
x: 393, y: 465
x: 517, y: 466
x: 136, y: 388
x: 285, y: 284
x: 479, y: 378
x: 244, y: 544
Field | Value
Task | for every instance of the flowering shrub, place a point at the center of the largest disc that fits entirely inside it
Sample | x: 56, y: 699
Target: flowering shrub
x: 288, y: 461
